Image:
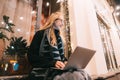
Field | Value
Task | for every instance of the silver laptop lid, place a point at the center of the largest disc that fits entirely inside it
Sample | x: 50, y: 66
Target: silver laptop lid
x: 80, y: 58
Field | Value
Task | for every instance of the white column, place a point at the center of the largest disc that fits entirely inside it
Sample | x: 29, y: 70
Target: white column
x: 116, y: 44
x: 85, y: 33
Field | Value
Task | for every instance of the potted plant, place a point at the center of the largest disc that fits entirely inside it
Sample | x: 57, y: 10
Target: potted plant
x: 17, y: 49
x: 6, y: 26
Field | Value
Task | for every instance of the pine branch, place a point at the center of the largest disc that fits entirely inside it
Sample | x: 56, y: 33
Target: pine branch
x: 18, y: 46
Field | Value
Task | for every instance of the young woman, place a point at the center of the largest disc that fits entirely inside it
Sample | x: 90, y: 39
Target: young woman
x: 46, y: 49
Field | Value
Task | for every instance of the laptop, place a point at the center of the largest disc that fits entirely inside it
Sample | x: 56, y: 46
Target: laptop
x: 80, y: 58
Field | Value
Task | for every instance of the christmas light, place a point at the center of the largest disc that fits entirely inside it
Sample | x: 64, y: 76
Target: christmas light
x: 33, y: 12
x: 118, y: 8
x: 18, y: 30
x: 6, y: 66
x: 2, y: 22
x: 117, y: 13
x: 7, y: 27
x: 10, y: 21
x: 47, y: 4
x: 67, y: 23
x: 21, y: 18
x: 58, y: 1
x: 12, y: 47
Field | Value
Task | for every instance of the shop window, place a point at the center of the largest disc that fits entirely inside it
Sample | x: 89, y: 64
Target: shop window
x: 107, y: 44
x: 29, y: 16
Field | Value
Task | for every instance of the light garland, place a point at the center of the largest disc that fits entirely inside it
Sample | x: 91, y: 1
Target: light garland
x: 67, y: 23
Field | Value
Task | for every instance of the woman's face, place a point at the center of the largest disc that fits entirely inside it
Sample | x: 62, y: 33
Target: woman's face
x: 58, y: 23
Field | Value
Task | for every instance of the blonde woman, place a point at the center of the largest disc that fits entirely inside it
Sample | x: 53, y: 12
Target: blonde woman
x: 46, y: 49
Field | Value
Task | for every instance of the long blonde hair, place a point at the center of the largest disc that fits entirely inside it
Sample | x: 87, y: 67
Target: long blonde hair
x: 49, y: 24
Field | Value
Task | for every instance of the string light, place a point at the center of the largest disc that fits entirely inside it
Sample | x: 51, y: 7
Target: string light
x: 2, y: 22
x: 47, y: 4
x: 67, y: 23
x: 21, y: 18
x: 18, y: 30
x: 117, y: 13
x: 12, y: 47
x: 6, y: 66
x: 118, y: 8
x: 33, y: 12
x: 7, y: 27
x: 58, y: 1
x: 10, y: 21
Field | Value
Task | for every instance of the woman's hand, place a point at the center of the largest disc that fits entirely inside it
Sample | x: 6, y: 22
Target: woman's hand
x: 65, y: 62
x: 59, y: 65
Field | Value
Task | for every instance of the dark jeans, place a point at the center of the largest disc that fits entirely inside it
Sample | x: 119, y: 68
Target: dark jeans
x: 44, y: 73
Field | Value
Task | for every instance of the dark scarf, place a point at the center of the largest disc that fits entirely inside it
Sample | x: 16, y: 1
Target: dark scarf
x: 56, y: 51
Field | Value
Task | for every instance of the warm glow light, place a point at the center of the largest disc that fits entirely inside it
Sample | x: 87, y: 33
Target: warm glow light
x: 18, y: 30
x: 13, y: 61
x: 117, y: 13
x: 47, y: 4
x: 21, y: 18
x: 58, y: 1
x: 72, y: 45
x: 10, y: 21
x: 33, y: 12
x: 118, y: 8
x: 12, y: 47
x: 2, y: 22
x: 14, y: 64
x: 7, y: 26
x: 6, y: 66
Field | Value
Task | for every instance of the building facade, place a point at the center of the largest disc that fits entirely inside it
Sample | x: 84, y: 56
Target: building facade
x: 94, y: 26
x: 91, y: 24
